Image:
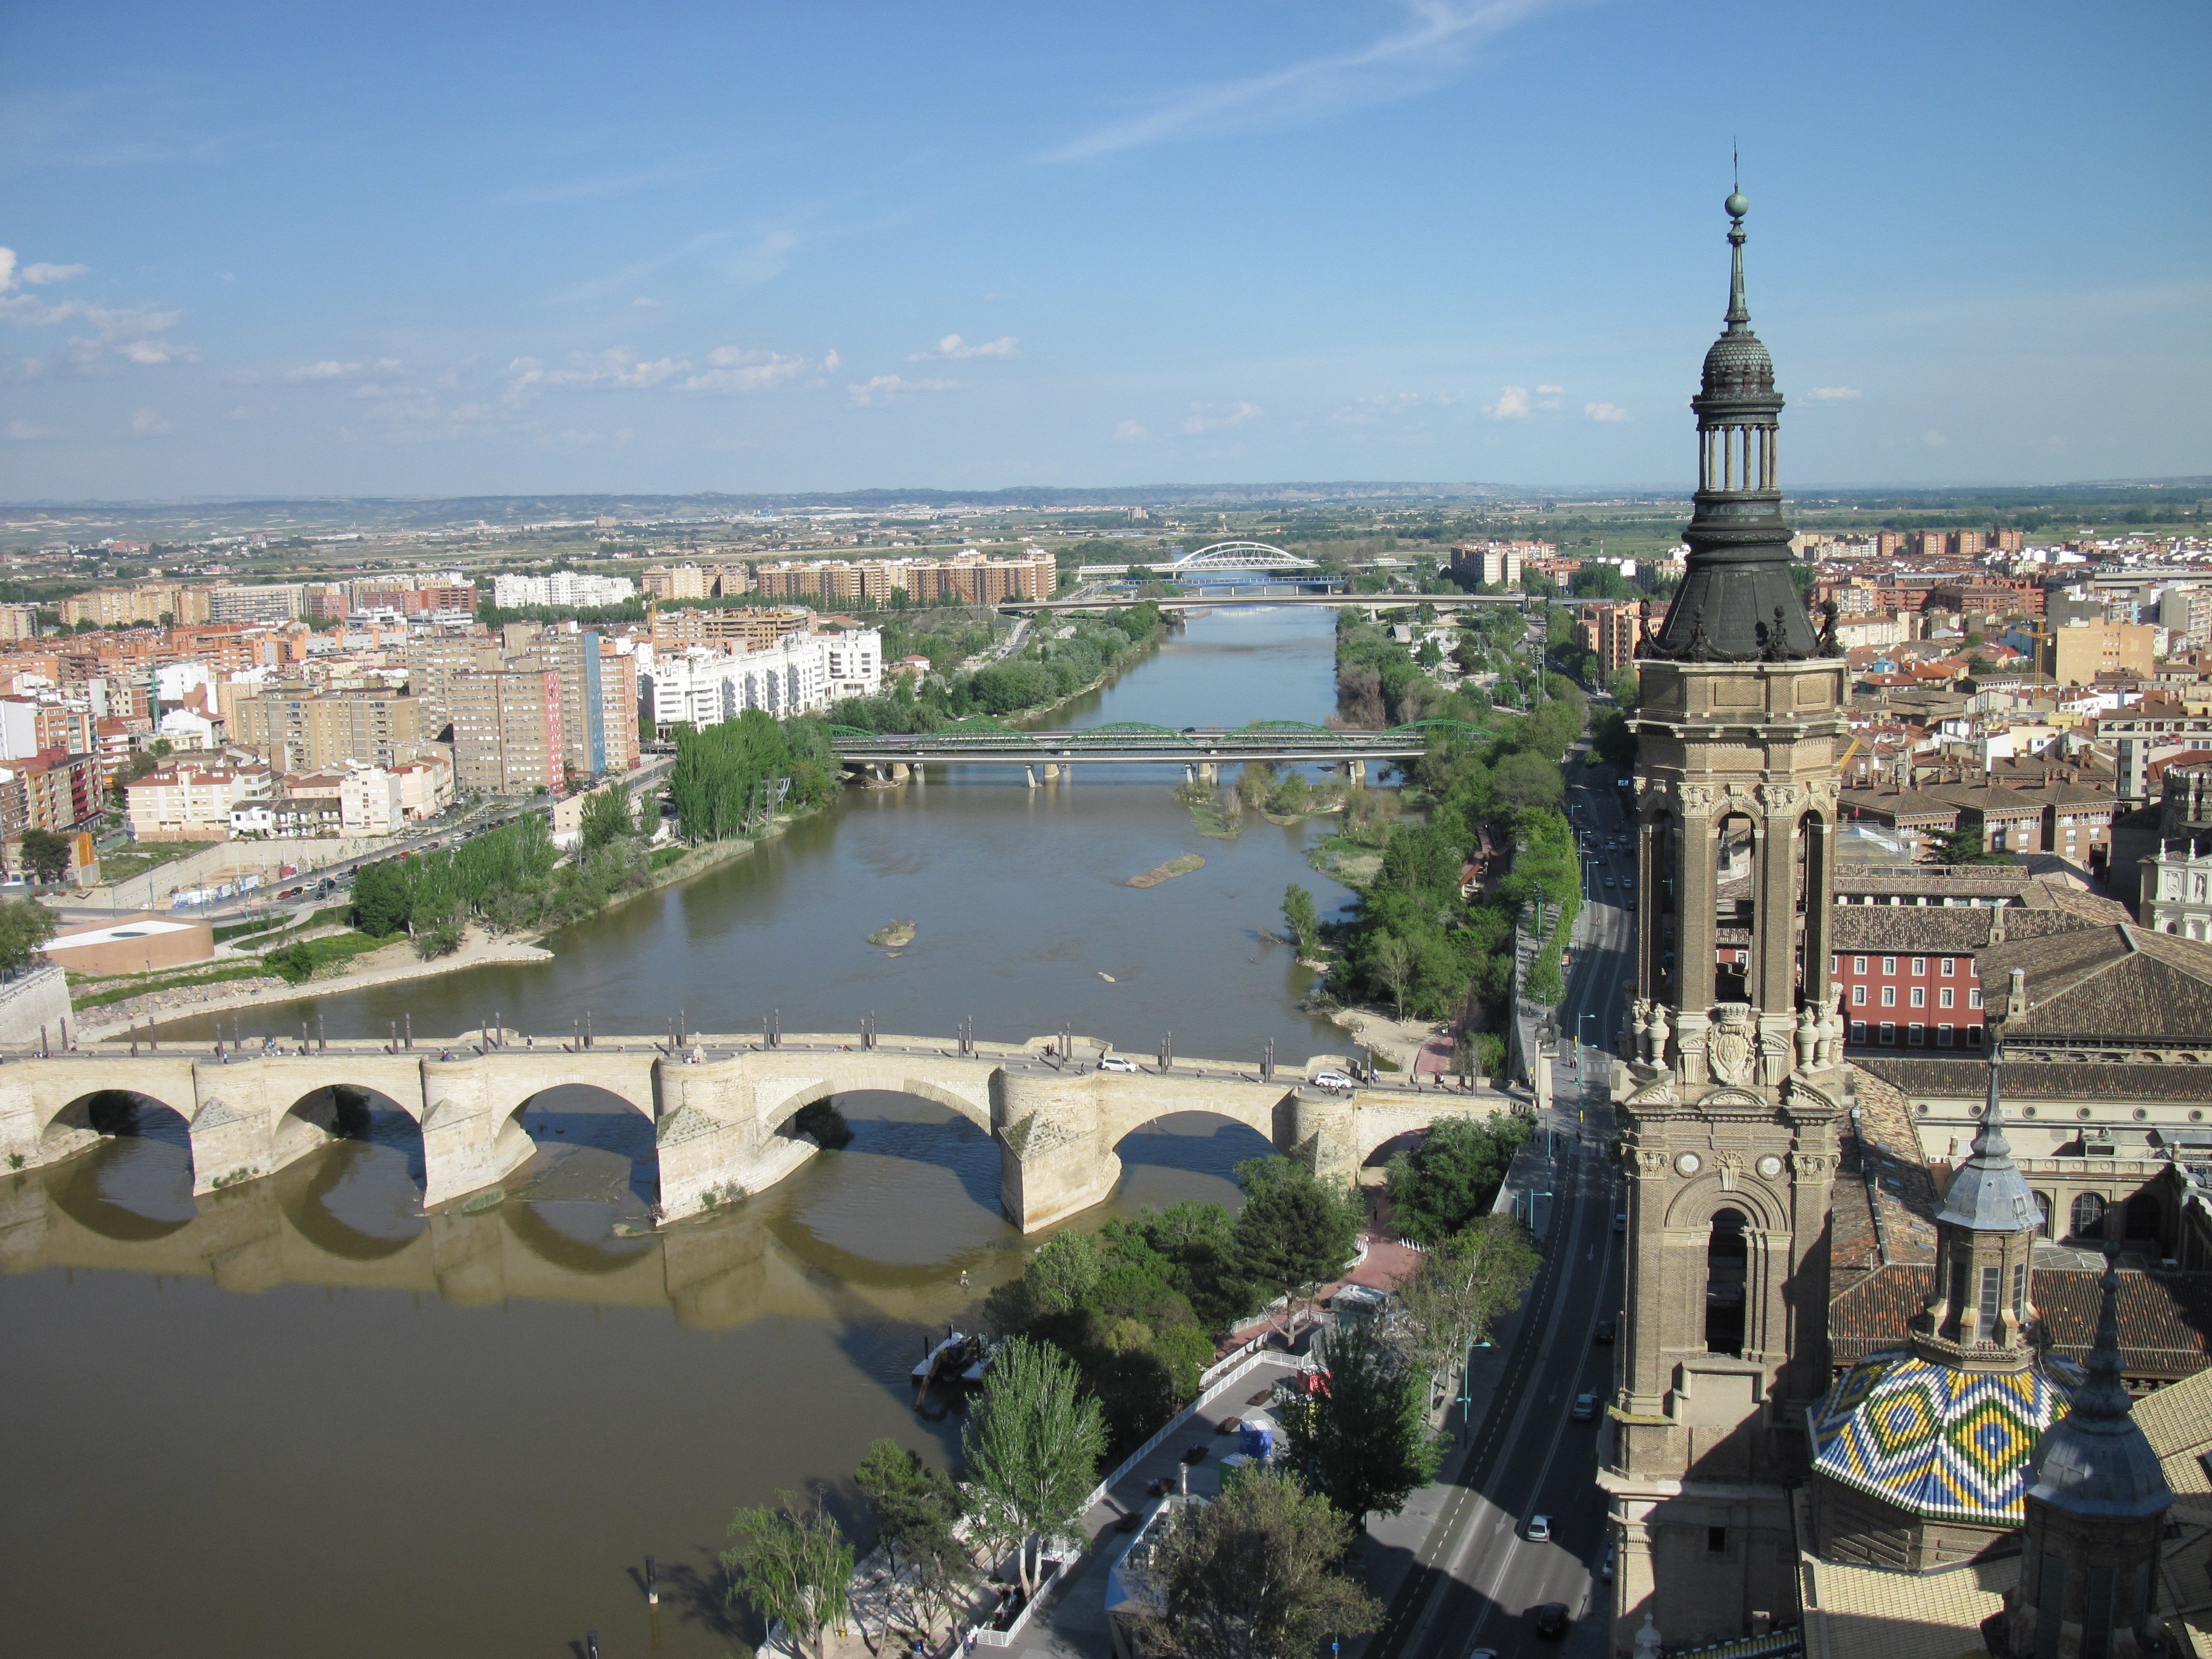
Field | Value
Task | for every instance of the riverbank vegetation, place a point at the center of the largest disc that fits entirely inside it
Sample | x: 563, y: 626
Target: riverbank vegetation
x: 513, y: 878
x: 1448, y: 1182
x: 731, y: 778
x: 1063, y: 658
x: 1139, y: 1306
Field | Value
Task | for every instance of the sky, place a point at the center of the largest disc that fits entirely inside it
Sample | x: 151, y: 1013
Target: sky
x: 455, y: 249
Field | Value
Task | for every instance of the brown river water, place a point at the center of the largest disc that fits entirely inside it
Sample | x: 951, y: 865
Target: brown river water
x: 302, y: 1417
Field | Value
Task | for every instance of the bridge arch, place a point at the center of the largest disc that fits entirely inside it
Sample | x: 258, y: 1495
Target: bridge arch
x: 592, y: 1123
x: 137, y: 1185
x: 356, y: 1195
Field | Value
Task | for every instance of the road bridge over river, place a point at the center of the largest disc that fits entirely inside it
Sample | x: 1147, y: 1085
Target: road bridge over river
x: 1454, y: 601
x: 722, y: 1108
x: 1200, y: 751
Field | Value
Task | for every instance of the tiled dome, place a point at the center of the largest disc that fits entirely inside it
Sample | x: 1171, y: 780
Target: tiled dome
x: 1937, y: 1441
x: 1737, y: 365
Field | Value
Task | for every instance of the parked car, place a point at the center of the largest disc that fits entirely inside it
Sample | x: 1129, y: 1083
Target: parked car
x: 1538, y: 1529
x: 1620, y: 1221
x: 1116, y: 1063
x: 1603, y: 1334
x: 1552, y: 1619
x: 1333, y: 1080
x: 1584, y: 1408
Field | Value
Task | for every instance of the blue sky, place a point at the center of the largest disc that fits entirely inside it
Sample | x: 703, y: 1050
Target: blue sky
x: 413, y: 249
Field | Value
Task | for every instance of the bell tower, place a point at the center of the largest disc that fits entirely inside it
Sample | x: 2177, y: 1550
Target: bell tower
x: 1731, y: 1087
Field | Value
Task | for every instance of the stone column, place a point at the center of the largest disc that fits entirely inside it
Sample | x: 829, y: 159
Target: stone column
x: 467, y: 1142
x: 1694, y: 929
x: 1051, y: 1161
x: 1774, y: 965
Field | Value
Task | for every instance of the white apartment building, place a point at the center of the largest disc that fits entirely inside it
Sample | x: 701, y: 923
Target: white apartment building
x: 568, y: 589
x: 190, y: 803
x: 797, y: 675
x: 274, y: 602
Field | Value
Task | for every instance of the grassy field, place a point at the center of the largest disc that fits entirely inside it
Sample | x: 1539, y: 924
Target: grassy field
x: 146, y: 855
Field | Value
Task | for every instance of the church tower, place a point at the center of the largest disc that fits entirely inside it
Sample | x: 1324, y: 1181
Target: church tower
x: 1731, y: 1086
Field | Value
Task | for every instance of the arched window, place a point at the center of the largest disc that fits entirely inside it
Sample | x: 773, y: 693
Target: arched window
x: 2044, y: 1208
x: 1736, y: 886
x: 2089, y: 1216
x: 1727, y: 1262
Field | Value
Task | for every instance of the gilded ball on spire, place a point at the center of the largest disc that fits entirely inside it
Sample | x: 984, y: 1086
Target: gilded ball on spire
x: 1737, y: 204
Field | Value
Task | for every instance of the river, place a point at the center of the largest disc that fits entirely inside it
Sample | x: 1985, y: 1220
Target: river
x: 302, y: 1417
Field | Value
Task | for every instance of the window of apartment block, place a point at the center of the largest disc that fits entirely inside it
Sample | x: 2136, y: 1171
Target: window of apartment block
x: 1858, y: 1030
x: 1943, y: 997
x: 1950, y: 966
x: 1918, y: 1036
x: 1944, y: 1033
x: 1858, y: 965
x: 1920, y: 996
x: 1973, y: 999
x: 1973, y: 1037
x: 1858, y: 996
x: 1889, y: 964
x: 1889, y: 996
x: 1920, y: 965
x: 1888, y: 1034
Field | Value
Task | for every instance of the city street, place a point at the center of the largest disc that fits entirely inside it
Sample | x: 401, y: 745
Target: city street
x: 1476, y: 1577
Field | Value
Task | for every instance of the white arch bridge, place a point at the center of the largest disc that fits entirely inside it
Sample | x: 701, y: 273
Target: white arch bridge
x: 1222, y: 558
x: 721, y: 1107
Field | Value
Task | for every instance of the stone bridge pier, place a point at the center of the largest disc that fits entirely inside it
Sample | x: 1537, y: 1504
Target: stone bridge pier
x: 723, y: 1125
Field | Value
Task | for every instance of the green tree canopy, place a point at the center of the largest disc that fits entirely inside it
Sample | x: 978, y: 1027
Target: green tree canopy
x: 1365, y: 1444
x: 1032, y: 1444
x: 1450, y: 1180
x: 45, y: 854
x: 791, y: 1562
x: 1462, y: 1286
x: 1293, y: 1231
x: 1258, y: 1573
x: 25, y: 926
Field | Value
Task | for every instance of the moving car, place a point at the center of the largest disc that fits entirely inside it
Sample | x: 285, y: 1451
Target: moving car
x: 1620, y: 1221
x: 1603, y: 1334
x: 1538, y: 1529
x: 1552, y: 1619
x: 1585, y: 1407
x: 1335, y: 1080
x: 1116, y: 1063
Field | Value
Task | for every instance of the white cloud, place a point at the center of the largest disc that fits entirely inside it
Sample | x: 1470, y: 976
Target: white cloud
x: 328, y: 370
x: 645, y: 302
x: 1835, y: 394
x: 1205, y: 419
x: 883, y: 388
x: 830, y: 363
x: 953, y: 346
x: 1512, y: 405
x: 1436, y: 41
x: 150, y: 422
x: 732, y: 369
x: 46, y: 273
x: 1605, y: 411
x: 1130, y: 431
x: 27, y: 432
x: 1383, y: 405
x: 134, y: 334
x: 1549, y: 390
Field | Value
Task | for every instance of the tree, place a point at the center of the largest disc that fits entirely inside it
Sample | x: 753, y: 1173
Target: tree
x: 1257, y: 1574
x: 1459, y: 1290
x: 608, y: 814
x: 1299, y: 916
x: 1430, y: 655
x: 381, y: 899
x: 1033, y: 1443
x: 1365, y: 1444
x: 917, y: 1509
x: 794, y: 1564
x: 1293, y: 1231
x: 1393, y: 960
x: 1962, y: 844
x: 1450, y: 1180
x: 1626, y: 686
x: 24, y: 927
x: 1063, y: 1275
x: 45, y: 854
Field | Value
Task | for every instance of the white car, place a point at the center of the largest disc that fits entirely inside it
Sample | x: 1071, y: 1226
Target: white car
x: 1333, y: 1080
x: 1539, y: 1529
x: 1116, y: 1063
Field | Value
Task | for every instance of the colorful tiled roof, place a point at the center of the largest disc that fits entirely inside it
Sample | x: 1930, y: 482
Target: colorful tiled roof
x: 1935, y: 1441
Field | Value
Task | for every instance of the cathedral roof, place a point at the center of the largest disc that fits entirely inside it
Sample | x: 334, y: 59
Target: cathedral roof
x: 1988, y: 1193
x: 1935, y: 1441
x: 2096, y: 1460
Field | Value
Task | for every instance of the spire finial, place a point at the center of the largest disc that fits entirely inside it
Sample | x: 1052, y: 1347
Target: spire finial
x: 1990, y: 1140
x: 1739, y: 313
x: 2104, y: 1396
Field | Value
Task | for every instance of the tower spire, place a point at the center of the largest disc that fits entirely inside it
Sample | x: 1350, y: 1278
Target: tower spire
x: 1739, y: 313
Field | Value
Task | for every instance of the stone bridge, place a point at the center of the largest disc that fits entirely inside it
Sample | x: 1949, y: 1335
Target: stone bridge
x: 721, y: 1108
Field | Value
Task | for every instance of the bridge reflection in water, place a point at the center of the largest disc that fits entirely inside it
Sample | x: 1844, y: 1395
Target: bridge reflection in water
x: 349, y: 1215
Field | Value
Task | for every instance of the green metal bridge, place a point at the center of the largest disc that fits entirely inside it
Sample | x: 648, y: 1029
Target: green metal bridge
x: 1131, y: 743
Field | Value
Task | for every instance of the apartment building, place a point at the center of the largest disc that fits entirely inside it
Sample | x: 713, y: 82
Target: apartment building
x: 969, y: 578
x: 591, y: 680
x: 751, y: 628
x: 269, y: 601
x: 2076, y: 653
x: 138, y: 601
x: 566, y: 590
x: 796, y: 676
x: 682, y: 581
x: 19, y: 622
x: 304, y: 730
x: 1495, y: 564
x: 191, y: 803
x: 508, y: 738
x: 1611, y: 629
x: 401, y: 601
x: 434, y: 660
